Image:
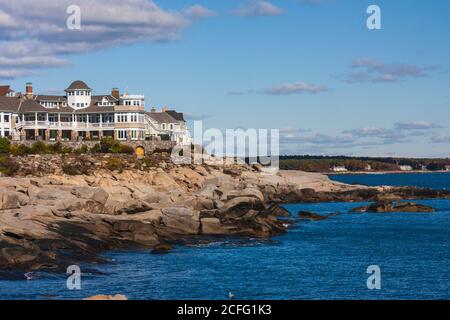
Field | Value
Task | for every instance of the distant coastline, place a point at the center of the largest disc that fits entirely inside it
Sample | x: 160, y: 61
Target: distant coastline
x: 382, y: 172
x: 363, y: 165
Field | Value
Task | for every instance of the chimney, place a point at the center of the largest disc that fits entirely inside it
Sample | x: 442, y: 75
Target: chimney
x: 29, y: 89
x: 115, y: 93
x: 165, y: 109
x: 153, y: 110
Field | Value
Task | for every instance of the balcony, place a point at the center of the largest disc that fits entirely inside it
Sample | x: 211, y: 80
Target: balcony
x: 64, y: 125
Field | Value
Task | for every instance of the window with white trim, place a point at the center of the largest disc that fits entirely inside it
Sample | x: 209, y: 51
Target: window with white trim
x: 122, y: 117
x: 122, y: 134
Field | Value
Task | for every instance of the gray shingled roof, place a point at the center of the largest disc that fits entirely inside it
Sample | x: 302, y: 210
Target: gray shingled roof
x: 78, y: 85
x: 93, y: 108
x: 161, y: 117
x: 176, y: 115
x: 32, y: 106
x: 50, y: 98
x: 9, y: 104
x: 110, y: 98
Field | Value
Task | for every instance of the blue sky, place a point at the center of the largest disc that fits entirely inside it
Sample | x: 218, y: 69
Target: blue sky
x: 309, y: 68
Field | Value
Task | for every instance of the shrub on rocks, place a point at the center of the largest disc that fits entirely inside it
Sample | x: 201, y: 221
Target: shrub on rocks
x: 39, y: 147
x: 73, y: 169
x: 58, y: 148
x: 4, y: 145
x: 96, y: 148
x: 19, y: 150
x: 114, y: 164
x: 8, y: 166
x: 126, y: 149
x: 82, y: 149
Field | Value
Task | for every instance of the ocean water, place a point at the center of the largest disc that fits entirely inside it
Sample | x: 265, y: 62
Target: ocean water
x: 315, y: 260
x: 437, y: 180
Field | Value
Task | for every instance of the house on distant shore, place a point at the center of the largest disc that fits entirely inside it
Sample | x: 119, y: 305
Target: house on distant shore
x: 81, y: 115
x: 338, y: 169
x: 405, y: 168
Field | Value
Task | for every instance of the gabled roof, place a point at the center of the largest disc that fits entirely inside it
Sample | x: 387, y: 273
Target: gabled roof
x: 78, y: 85
x: 4, y: 90
x: 176, y: 115
x: 32, y: 106
x: 10, y: 104
x: 161, y: 117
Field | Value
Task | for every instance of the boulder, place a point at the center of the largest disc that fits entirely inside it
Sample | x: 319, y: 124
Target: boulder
x: 412, y: 207
x: 181, y: 220
x: 97, y: 194
x: 117, y: 297
x: 247, y: 192
x: 311, y: 216
x: 279, y: 211
x: 383, y: 207
x: 164, y: 181
x: 361, y: 209
x: 210, y: 191
x: 240, y: 204
x: 211, y: 226
x: 12, y: 200
x: 161, y: 248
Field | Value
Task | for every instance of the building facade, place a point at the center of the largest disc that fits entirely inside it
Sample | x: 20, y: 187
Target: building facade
x: 81, y: 115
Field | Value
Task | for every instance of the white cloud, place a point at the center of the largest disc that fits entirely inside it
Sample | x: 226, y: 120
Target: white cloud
x: 197, y: 11
x: 373, y: 70
x: 416, y: 125
x: 35, y: 32
x: 285, y: 89
x: 258, y: 9
x: 294, y: 88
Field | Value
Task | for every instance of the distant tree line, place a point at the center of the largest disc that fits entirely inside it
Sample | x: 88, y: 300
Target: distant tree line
x: 324, y: 163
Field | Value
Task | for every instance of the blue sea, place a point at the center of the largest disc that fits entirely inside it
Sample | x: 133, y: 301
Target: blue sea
x: 325, y: 259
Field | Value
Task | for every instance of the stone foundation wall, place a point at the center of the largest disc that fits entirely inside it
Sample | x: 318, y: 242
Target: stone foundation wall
x: 149, y: 146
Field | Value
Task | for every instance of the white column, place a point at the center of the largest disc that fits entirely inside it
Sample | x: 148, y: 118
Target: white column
x: 35, y: 119
x: 101, y: 120
x: 59, y: 119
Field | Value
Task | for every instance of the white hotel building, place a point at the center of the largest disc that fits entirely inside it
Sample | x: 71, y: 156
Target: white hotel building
x: 80, y: 115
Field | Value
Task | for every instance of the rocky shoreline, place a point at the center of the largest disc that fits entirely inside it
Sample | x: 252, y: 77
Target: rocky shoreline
x: 51, y: 221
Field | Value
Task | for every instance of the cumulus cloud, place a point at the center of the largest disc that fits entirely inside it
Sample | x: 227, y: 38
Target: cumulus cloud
x: 197, y: 11
x: 258, y: 9
x: 366, y: 137
x: 285, y: 89
x: 376, y: 71
x: 294, y: 88
x: 35, y: 33
x: 416, y: 125
x: 370, y: 132
x: 440, y: 138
